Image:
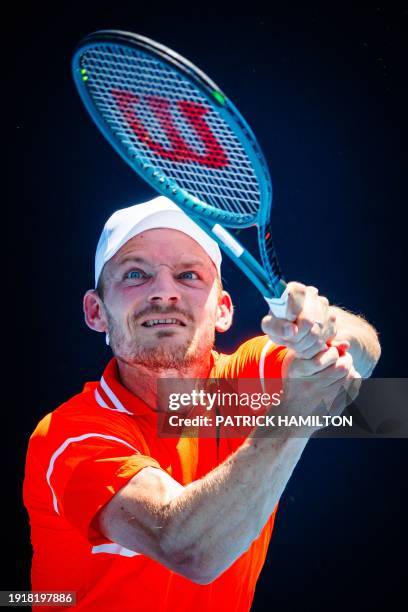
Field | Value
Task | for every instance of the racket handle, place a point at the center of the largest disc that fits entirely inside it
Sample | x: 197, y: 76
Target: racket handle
x: 279, y: 305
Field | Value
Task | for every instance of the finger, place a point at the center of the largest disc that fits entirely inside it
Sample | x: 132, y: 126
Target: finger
x: 339, y: 371
x: 341, y: 366
x: 315, y: 316
x: 278, y: 329
x: 296, y: 299
x: 323, y: 360
x: 313, y: 333
x: 305, y: 325
x: 311, y: 342
x: 312, y: 351
x: 306, y: 348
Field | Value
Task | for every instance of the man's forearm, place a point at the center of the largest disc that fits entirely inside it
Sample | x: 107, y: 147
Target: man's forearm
x: 364, y: 345
x: 238, y: 497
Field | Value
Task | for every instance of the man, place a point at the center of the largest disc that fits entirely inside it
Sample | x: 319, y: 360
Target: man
x: 132, y: 521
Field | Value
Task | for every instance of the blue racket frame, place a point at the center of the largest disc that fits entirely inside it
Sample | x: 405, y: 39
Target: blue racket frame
x: 267, y: 279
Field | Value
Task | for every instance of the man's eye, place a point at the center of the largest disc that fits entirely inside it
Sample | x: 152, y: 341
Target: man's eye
x: 189, y: 275
x: 135, y: 275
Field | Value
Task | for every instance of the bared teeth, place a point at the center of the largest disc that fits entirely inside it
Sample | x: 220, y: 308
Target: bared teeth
x: 153, y: 322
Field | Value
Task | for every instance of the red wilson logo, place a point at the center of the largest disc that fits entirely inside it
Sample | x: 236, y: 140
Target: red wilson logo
x: 179, y: 151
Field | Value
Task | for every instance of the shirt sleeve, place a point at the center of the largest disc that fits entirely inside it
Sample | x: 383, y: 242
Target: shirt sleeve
x: 257, y: 358
x: 85, y: 467
x: 100, y: 471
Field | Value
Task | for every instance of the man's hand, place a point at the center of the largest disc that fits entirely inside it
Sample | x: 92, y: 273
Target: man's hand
x: 325, y: 384
x: 309, y: 325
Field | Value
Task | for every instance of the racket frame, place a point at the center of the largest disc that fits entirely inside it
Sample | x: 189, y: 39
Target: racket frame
x: 209, y: 218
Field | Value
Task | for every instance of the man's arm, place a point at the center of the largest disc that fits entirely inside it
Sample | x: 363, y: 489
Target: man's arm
x: 201, y: 529
x: 362, y: 337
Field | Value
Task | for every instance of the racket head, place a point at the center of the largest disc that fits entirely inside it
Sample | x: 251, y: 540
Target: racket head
x: 174, y: 126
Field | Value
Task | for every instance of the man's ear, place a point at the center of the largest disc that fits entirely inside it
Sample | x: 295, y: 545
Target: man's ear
x: 225, y: 311
x: 94, y: 311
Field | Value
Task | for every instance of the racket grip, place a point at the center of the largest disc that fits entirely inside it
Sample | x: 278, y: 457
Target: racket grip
x: 279, y: 305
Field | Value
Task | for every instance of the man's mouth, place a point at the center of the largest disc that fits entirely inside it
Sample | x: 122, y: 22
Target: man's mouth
x: 163, y: 322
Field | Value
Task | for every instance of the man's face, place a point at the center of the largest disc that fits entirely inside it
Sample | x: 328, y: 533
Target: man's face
x: 161, y: 300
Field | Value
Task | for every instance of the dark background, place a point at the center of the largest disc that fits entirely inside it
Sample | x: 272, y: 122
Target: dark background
x: 325, y: 91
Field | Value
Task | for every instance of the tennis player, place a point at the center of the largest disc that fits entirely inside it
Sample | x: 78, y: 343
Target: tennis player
x: 131, y: 521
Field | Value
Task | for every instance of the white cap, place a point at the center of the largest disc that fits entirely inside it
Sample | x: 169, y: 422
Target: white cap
x: 160, y: 212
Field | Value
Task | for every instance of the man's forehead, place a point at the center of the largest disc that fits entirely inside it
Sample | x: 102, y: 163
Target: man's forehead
x: 162, y: 244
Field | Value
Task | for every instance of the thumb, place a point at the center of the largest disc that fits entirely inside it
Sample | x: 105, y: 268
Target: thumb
x: 297, y: 294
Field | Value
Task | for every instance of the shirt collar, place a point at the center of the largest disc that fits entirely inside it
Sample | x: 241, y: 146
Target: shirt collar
x: 110, y: 393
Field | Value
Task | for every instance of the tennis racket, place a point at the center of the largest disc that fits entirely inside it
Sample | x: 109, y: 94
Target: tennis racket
x: 181, y: 134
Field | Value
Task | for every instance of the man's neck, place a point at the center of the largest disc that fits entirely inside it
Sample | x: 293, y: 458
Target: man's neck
x: 142, y: 381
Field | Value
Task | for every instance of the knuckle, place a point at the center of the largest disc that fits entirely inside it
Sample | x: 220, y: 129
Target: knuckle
x: 271, y: 334
x: 333, y: 353
x: 266, y: 322
x: 315, y: 333
x: 342, y: 368
x: 295, y: 287
x: 286, y: 329
x: 308, y: 323
x: 317, y: 361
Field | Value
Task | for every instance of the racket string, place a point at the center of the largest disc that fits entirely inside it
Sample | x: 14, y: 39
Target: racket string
x: 159, y: 115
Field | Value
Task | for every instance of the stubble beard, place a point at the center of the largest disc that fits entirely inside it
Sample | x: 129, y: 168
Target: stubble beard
x: 160, y: 355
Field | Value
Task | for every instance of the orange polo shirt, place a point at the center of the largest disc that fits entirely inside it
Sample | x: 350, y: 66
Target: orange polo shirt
x: 81, y: 454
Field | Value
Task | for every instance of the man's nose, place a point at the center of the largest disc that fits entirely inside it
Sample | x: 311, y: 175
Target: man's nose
x: 164, y: 289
